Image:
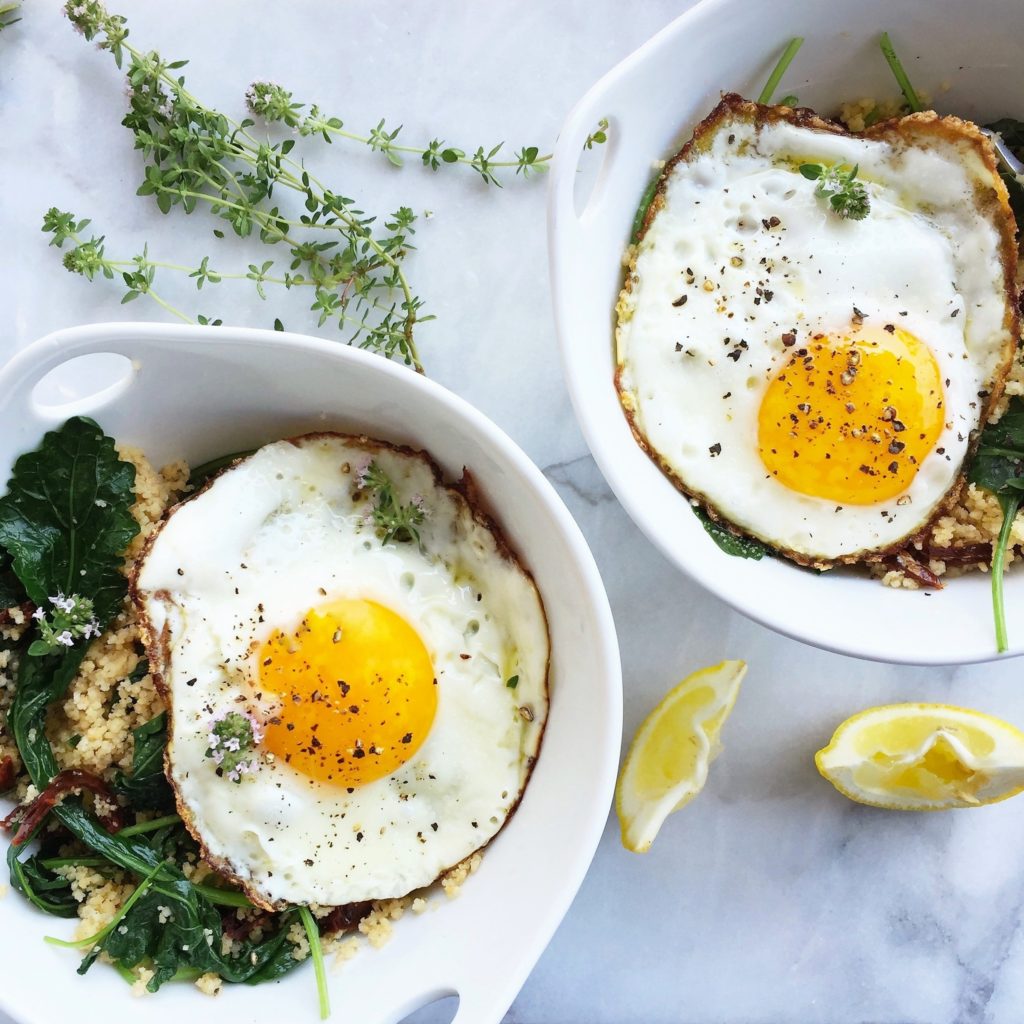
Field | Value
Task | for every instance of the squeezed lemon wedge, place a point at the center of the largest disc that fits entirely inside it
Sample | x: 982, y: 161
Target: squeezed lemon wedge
x: 924, y: 757
x: 667, y: 762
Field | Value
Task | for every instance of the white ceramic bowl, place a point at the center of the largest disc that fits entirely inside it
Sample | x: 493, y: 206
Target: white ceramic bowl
x: 652, y: 100
x: 201, y: 392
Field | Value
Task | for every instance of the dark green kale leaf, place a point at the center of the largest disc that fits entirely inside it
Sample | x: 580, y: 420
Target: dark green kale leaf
x: 729, y: 542
x: 12, y: 593
x: 66, y: 518
x: 1012, y: 132
x: 146, y: 787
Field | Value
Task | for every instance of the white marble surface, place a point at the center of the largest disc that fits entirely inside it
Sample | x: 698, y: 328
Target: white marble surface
x: 771, y: 899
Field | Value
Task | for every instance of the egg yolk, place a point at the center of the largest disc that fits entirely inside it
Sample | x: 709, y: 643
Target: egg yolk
x: 356, y: 689
x: 851, y: 417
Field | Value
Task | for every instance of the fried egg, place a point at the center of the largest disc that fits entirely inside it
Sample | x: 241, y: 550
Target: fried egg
x: 814, y: 381
x: 396, y: 683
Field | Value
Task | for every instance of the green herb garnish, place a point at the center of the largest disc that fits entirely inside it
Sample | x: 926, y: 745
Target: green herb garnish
x: 274, y: 103
x: 599, y: 136
x: 998, y: 467
x: 195, y: 156
x: 233, y: 740
x: 780, y: 69
x: 69, y: 620
x: 729, y: 542
x: 394, y: 521
x: 839, y: 185
x: 513, y: 682
x: 896, y: 66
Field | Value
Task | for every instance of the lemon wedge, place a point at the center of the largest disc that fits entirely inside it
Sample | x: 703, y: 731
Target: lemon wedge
x: 924, y: 757
x: 667, y: 762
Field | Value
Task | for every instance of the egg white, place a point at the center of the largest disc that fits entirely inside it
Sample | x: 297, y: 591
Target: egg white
x: 281, y: 533
x: 926, y: 259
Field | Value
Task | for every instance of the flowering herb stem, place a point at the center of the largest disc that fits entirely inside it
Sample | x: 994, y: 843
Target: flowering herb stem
x: 317, y: 953
x: 899, y: 73
x: 780, y: 69
x: 87, y: 257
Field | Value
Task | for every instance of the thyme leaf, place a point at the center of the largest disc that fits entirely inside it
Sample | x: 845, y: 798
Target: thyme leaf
x: 394, y: 521
x: 838, y: 185
x: 274, y: 103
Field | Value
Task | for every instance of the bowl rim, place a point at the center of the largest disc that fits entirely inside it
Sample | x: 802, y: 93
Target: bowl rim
x: 55, y: 348
x: 593, y: 411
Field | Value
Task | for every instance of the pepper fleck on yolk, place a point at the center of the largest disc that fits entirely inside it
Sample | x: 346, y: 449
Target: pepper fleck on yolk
x: 850, y: 418
x: 356, y: 689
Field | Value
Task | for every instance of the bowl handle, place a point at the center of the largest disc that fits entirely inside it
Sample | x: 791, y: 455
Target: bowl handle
x: 20, y: 377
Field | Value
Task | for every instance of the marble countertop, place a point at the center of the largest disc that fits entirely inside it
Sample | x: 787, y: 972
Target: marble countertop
x: 770, y: 899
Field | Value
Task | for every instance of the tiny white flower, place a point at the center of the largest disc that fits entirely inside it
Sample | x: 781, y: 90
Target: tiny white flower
x: 39, y: 615
x: 65, y: 638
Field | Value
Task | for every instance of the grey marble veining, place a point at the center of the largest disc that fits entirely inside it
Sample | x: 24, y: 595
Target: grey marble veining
x: 770, y: 899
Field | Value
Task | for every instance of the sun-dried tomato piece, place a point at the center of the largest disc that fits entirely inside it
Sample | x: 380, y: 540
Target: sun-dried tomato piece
x: 72, y: 780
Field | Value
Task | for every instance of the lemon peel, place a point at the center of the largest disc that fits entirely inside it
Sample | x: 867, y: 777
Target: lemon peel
x: 924, y: 757
x: 667, y: 763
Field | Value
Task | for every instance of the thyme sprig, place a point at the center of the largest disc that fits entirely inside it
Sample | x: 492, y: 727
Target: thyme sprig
x: 196, y: 156
x: 838, y: 185
x: 274, y: 103
x: 394, y: 521
x: 599, y: 136
x: 70, y: 619
x: 87, y: 256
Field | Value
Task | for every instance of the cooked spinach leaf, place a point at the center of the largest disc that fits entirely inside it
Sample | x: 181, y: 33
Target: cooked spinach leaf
x: 42, y: 887
x: 998, y: 467
x: 1012, y: 132
x: 189, y: 939
x: 146, y: 787
x: 66, y: 517
x: 201, y: 473
x: 729, y: 542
